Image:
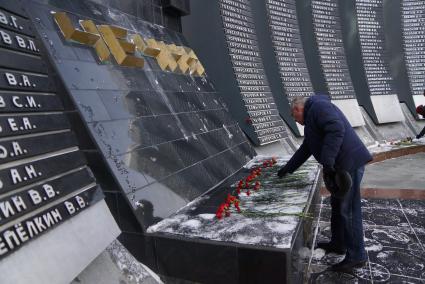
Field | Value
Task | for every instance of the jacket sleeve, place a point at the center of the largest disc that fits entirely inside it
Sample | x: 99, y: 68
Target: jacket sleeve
x: 300, y: 156
x: 333, y: 129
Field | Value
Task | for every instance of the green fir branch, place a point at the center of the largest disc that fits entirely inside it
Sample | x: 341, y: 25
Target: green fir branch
x: 259, y: 214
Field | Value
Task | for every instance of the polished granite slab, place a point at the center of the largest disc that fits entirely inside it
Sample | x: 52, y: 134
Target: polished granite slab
x: 256, y: 243
x: 155, y: 129
x: 394, y: 232
x: 269, y: 216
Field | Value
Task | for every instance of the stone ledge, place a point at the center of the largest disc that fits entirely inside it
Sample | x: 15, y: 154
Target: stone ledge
x: 395, y: 153
x: 385, y: 193
x: 241, y: 247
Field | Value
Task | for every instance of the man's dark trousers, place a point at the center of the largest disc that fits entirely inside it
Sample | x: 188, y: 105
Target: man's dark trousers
x: 346, y: 220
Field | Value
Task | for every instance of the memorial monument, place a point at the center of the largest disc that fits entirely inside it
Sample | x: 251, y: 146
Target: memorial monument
x: 237, y: 68
x: 48, y: 195
x: 143, y: 116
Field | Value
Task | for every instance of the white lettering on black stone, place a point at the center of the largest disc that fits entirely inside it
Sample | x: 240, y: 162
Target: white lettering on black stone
x: 80, y: 201
x: 29, y: 173
x: 13, y: 81
x: 26, y: 81
x: 70, y: 207
x: 24, y: 125
x: 10, y: 207
x: 30, y: 102
x: 12, y: 22
x: 23, y: 43
x: 16, y: 150
x: 29, y: 44
x: 6, y: 37
x: 270, y: 138
x: 37, y: 198
x: 22, y: 232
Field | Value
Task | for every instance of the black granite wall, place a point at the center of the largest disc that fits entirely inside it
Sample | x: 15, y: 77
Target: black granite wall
x: 161, y: 12
x: 166, y: 137
x: 44, y: 177
x: 224, y: 36
x: 412, y: 23
x: 396, y: 53
x: 351, y: 40
x: 282, y: 53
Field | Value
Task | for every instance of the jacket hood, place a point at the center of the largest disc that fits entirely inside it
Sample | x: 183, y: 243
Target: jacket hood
x: 311, y: 100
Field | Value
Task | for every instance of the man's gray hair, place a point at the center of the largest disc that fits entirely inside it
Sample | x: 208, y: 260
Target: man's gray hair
x: 298, y: 101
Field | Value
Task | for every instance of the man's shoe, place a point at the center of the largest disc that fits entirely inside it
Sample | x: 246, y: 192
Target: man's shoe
x: 330, y: 248
x: 347, y: 266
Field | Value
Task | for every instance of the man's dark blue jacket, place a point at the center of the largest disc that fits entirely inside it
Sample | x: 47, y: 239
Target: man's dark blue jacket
x: 329, y: 137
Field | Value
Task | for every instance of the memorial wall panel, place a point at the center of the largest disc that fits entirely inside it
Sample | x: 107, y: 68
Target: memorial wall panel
x: 241, y: 39
x: 375, y: 56
x: 327, y: 27
x: 281, y: 51
x: 288, y: 47
x: 236, y: 67
x: 164, y: 131
x: 370, y: 22
x: 44, y: 179
x: 413, y: 24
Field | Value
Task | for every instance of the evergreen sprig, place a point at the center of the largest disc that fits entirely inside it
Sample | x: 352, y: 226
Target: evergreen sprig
x: 259, y: 214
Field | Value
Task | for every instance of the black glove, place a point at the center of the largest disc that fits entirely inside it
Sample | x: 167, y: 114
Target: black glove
x: 418, y: 137
x: 337, y: 182
x: 343, y: 182
x: 329, y: 178
x: 283, y: 171
x: 328, y: 170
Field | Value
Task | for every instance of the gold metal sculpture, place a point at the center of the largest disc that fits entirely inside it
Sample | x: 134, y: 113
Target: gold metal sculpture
x: 165, y: 54
x: 120, y: 49
x: 142, y: 46
x: 100, y: 46
x: 70, y: 33
x: 108, y: 39
x: 181, y: 57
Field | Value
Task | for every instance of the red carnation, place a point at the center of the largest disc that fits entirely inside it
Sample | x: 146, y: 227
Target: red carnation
x: 230, y: 199
x: 237, y: 206
x: 220, y: 210
x: 257, y: 185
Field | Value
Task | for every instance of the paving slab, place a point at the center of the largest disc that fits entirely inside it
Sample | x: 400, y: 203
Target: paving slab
x: 405, y: 172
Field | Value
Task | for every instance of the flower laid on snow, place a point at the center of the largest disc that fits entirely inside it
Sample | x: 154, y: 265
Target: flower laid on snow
x: 257, y: 185
x: 233, y: 200
x: 245, y: 183
x: 222, y: 209
x: 269, y: 163
x: 262, y: 175
x: 230, y: 199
